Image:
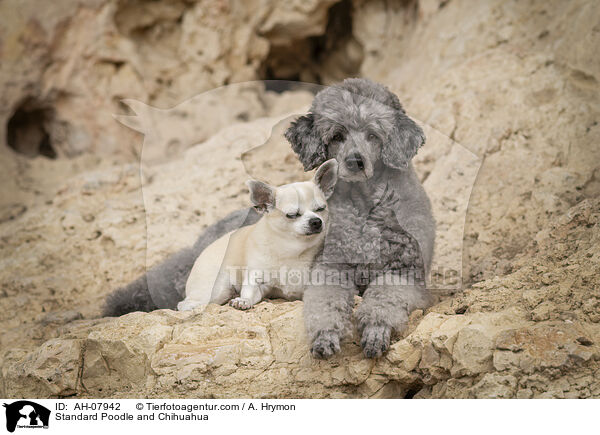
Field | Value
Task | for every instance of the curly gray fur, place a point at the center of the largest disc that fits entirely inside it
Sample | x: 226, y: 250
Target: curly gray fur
x: 380, y: 216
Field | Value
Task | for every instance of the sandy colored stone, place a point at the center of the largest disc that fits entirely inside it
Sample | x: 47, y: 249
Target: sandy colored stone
x: 472, y: 352
x: 508, y: 100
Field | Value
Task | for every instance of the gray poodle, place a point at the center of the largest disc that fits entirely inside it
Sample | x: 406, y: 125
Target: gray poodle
x: 381, y: 230
x: 381, y: 234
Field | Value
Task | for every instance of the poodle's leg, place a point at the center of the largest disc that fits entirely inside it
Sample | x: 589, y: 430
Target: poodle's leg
x: 385, y: 308
x: 327, y: 314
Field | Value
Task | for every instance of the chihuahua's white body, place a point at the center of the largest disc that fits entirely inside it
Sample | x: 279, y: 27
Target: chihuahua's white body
x: 271, y: 257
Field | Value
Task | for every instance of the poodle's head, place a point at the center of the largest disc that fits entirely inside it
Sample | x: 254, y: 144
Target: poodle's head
x: 359, y: 123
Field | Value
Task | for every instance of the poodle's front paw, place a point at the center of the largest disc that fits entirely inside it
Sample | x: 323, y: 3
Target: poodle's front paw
x: 375, y: 340
x: 326, y: 344
x: 240, y: 303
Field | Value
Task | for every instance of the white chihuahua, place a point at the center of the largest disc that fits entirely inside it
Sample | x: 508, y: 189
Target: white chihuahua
x: 248, y: 263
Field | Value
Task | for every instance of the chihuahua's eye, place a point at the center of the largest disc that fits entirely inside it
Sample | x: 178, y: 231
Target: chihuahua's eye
x: 293, y: 215
x: 372, y: 137
x: 320, y: 208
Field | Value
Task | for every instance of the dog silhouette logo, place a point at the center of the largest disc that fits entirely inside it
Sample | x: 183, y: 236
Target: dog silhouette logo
x: 26, y: 414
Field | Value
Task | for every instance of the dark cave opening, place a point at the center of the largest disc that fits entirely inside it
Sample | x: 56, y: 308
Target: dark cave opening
x: 321, y: 59
x: 412, y: 391
x: 27, y: 133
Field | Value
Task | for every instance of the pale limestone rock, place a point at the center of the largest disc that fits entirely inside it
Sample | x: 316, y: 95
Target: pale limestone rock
x: 495, y: 386
x: 404, y: 355
x: 542, y: 346
x: 75, y: 63
x: 508, y: 101
x: 472, y: 351
x: 52, y: 370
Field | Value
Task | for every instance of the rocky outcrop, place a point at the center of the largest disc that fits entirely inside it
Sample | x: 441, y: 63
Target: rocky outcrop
x: 65, y: 68
x: 509, y: 103
x: 498, y: 339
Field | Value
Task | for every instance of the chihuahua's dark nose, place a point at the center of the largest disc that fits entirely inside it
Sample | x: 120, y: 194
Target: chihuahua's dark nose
x: 315, y: 224
x: 354, y: 162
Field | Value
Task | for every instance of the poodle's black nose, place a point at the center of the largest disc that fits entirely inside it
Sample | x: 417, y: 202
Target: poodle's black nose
x: 354, y: 162
x: 315, y: 224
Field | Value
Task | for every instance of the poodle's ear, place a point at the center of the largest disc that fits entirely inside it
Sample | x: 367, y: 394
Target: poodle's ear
x: 306, y: 142
x: 262, y: 195
x: 403, y: 142
x: 326, y: 177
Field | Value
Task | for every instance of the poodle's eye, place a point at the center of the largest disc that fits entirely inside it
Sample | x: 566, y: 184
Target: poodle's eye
x: 338, y: 137
x: 293, y: 215
x: 372, y: 137
x: 320, y: 208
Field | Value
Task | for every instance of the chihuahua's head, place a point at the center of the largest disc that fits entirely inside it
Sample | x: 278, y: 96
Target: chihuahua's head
x: 297, y: 208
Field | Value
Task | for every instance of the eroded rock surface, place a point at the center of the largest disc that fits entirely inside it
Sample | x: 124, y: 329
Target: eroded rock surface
x: 496, y: 347
x: 510, y: 104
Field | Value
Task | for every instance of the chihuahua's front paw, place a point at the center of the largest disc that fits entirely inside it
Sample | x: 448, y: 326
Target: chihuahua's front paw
x: 325, y: 345
x: 375, y: 340
x: 240, y: 303
x: 187, y: 305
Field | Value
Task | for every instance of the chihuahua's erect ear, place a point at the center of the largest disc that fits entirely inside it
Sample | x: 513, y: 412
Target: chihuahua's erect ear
x: 403, y: 141
x: 326, y: 177
x: 262, y: 195
x: 306, y: 142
